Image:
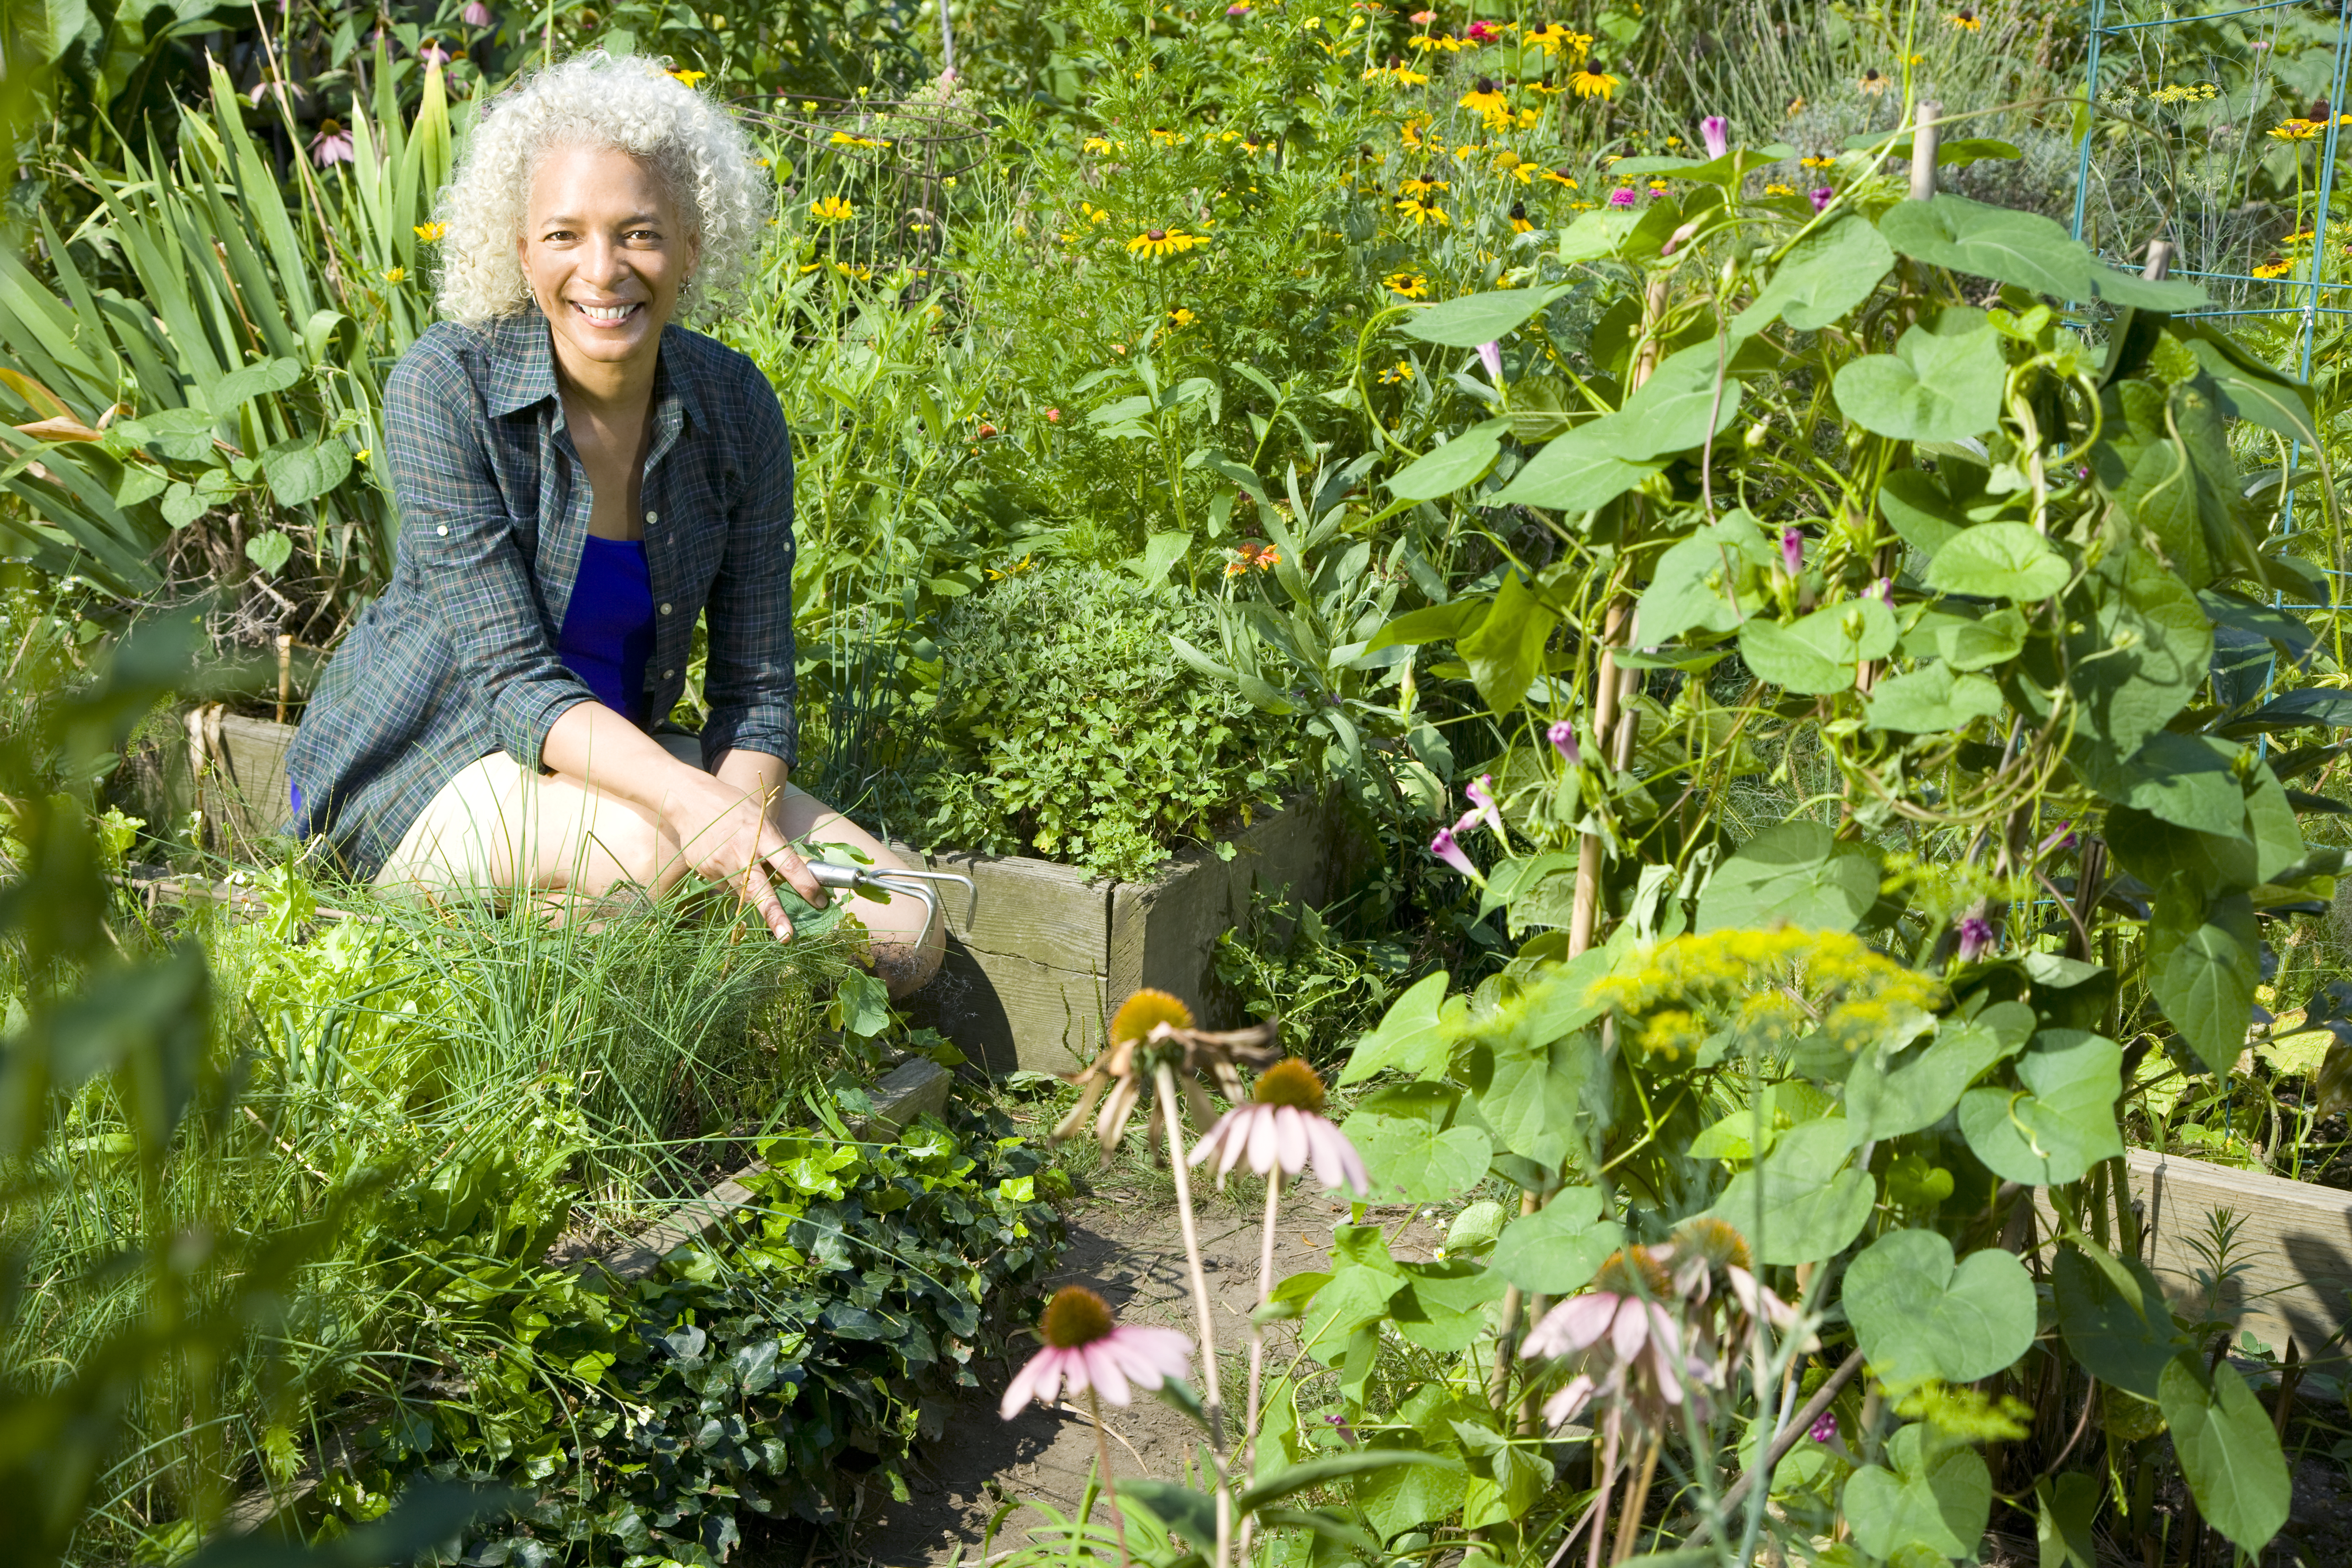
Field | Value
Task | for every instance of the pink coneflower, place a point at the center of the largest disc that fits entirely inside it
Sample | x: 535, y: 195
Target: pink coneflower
x: 1085, y: 1348
x: 332, y: 144
x: 1445, y: 847
x: 1562, y: 736
x: 1792, y: 551
x: 1820, y: 196
x: 1629, y: 1349
x: 1976, y: 938
x: 1714, y: 131
x: 1283, y: 1129
x: 432, y: 53
x: 476, y: 14
x: 1491, y: 356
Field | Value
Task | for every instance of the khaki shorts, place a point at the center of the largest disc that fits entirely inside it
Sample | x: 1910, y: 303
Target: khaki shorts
x: 491, y: 814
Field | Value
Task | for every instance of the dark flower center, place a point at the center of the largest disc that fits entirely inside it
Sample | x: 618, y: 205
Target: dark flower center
x: 1633, y: 1271
x: 330, y: 128
x: 1486, y: 85
x: 1155, y: 236
x: 1074, y: 1317
x: 1290, y: 1082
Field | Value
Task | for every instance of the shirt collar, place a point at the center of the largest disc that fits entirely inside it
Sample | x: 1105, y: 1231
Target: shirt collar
x: 523, y: 372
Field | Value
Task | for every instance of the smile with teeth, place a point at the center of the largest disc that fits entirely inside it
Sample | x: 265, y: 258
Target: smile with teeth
x: 608, y: 315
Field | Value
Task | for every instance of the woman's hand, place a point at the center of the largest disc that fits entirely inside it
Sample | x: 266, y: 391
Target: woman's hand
x: 727, y: 836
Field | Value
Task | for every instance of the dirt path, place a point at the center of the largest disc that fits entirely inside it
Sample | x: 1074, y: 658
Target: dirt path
x: 1133, y: 1254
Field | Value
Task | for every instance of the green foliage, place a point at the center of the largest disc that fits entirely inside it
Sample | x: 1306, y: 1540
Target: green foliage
x: 1065, y: 729
x: 833, y: 1322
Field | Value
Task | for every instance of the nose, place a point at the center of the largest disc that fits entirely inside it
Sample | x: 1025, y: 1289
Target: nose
x: 605, y: 264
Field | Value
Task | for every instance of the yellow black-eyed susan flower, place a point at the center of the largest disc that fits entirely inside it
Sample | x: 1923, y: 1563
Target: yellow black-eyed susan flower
x: 1819, y: 161
x: 1401, y: 371
x: 1424, y: 213
x: 1874, y: 81
x: 1411, y: 285
x: 2277, y: 269
x: 832, y: 209
x: 1485, y: 98
x: 1156, y: 243
x: 1419, y: 188
x: 2296, y: 130
x: 1967, y: 21
x: 1778, y: 189
x: 1520, y: 224
x: 1590, y: 82
x: 1561, y: 176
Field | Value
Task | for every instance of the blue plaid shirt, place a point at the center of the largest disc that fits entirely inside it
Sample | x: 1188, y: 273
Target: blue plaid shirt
x: 457, y: 659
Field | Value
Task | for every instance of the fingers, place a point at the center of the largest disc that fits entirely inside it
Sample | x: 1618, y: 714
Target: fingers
x: 761, y: 894
x: 794, y: 870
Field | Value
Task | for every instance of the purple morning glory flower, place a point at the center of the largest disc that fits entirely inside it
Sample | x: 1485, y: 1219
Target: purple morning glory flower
x: 1491, y: 356
x: 1447, y: 849
x: 1821, y: 196
x: 1823, y: 1428
x: 1792, y: 551
x: 1562, y: 736
x: 1713, y: 132
x: 2063, y: 839
x: 1481, y: 804
x: 1976, y: 938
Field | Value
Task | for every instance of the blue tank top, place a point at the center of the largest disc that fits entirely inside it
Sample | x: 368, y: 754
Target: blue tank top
x: 608, y: 628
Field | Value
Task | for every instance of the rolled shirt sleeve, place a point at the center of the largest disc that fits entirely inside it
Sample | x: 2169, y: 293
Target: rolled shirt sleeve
x: 749, y: 679
x: 457, y: 531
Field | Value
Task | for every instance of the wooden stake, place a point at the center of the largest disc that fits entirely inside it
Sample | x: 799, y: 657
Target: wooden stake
x: 1924, y: 140
x: 285, y: 672
x: 2159, y: 260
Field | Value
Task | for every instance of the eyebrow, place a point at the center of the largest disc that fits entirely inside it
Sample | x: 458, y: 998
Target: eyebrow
x: 576, y: 222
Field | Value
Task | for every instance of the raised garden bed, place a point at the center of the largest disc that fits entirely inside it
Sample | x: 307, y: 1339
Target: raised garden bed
x: 1036, y: 964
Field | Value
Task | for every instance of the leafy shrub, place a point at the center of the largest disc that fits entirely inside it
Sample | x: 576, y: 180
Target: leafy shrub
x: 1066, y: 727
x: 760, y: 1373
x: 1326, y: 986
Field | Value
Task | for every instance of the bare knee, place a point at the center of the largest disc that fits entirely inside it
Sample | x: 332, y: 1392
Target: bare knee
x: 636, y: 851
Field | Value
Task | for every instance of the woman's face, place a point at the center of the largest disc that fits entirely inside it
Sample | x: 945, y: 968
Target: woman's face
x: 606, y: 253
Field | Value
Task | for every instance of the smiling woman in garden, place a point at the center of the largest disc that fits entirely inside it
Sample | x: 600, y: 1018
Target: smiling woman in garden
x: 580, y: 478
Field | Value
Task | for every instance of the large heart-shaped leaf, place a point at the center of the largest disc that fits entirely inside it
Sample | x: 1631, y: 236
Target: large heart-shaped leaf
x: 2114, y: 1320
x: 1824, y: 274
x: 1443, y: 1306
x: 1999, y: 560
x: 2009, y: 247
x: 1695, y: 582
x: 2190, y: 781
x: 1475, y: 318
x: 1932, y: 700
x: 1967, y: 643
x: 2229, y: 1450
x: 1916, y: 507
x: 1803, y: 1201
x: 1572, y: 475
x: 1505, y: 652
x: 1941, y: 384
x: 1553, y: 1251
x: 2061, y: 1122
x: 1409, y: 1038
x: 2203, y: 964
x: 1689, y: 396
x: 1797, y: 873
x: 300, y: 471
x: 1411, y: 1158
x: 1816, y: 653
x: 1887, y: 1102
x: 1920, y: 1314
x: 1939, y: 1500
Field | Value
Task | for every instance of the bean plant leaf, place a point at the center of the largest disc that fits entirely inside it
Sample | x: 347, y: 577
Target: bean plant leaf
x: 1941, y: 1500
x: 1967, y: 643
x: 301, y: 471
x: 2203, y: 964
x: 1803, y: 1201
x: 1887, y: 1102
x: 1999, y: 560
x: 1695, y: 585
x: 2114, y: 1320
x: 2252, y: 390
x: 1941, y: 384
x: 1932, y: 700
x: 1553, y: 1251
x: 1796, y: 874
x: 1477, y: 319
x: 1322, y: 1472
x: 1824, y: 274
x: 1432, y: 623
x: 2061, y: 1122
x: 2229, y: 1450
x: 244, y: 385
x: 1688, y: 397
x: 269, y: 550
x: 2067, y: 1505
x: 1983, y: 241
x: 1916, y: 507
x: 2190, y: 781
x: 2143, y: 656
x: 1402, y: 1496
x: 1411, y: 1158
x: 1445, y: 470
x: 1919, y: 1313
x: 1443, y: 1306
x: 1571, y: 474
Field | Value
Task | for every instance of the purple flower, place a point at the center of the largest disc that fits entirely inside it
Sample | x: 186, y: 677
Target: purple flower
x: 1482, y: 803
x: 1087, y: 1349
x: 1821, y: 196
x: 1883, y: 591
x: 432, y: 53
x: 476, y: 14
x: 332, y: 144
x: 1447, y: 849
x: 1491, y: 356
x: 1822, y: 1429
x: 1562, y: 736
x: 1976, y: 938
x: 1792, y: 551
x: 1712, y: 131
x: 1622, y: 196
x: 2063, y: 839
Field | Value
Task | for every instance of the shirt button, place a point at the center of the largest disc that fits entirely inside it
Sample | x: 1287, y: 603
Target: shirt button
x: 665, y: 609
x: 652, y: 517
x: 667, y: 673
x: 443, y: 531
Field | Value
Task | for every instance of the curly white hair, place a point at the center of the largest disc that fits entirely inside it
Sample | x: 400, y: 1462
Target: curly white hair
x: 695, y: 147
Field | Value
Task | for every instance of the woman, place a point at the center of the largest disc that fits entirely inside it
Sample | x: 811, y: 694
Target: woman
x: 580, y: 479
